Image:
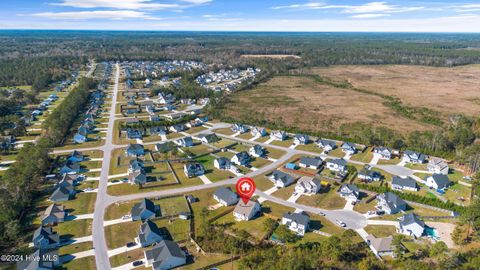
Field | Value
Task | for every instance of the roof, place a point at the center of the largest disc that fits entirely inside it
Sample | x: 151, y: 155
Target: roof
x: 258, y: 149
x: 134, y: 147
x: 393, y: 200
x: 147, y: 228
x: 298, y: 218
x: 164, y: 251
x: 245, y: 209
x: 404, y: 182
x: 348, y: 145
x: 48, y: 233
x: 414, y: 155
x: 223, y: 161
x: 281, y: 176
x: 54, y: 209
x: 441, y: 179
x: 143, y: 205
x: 225, y: 194
x: 242, y: 155
x: 351, y: 187
x: 210, y: 137
x: 61, y: 193
x: 411, y: 218
x: 338, y: 161
x: 381, y: 244
x: 316, y: 161
x: 193, y: 167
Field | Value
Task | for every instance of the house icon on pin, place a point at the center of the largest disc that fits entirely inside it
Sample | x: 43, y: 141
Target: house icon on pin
x: 245, y: 187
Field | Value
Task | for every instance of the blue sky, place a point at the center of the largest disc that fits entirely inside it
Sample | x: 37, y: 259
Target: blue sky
x: 243, y: 15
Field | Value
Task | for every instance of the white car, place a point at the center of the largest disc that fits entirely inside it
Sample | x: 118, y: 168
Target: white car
x: 126, y: 217
x: 340, y: 223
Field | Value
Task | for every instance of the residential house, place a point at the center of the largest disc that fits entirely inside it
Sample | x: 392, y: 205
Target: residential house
x: 438, y: 181
x: 208, y: 138
x: 137, y: 177
x: 296, y: 222
x: 248, y: 211
x: 349, y: 148
x: 158, y: 130
x: 301, y: 139
x: 165, y: 255
x: 369, y: 175
x: 258, y: 131
x: 349, y: 192
x: 178, y: 128
x: 241, y: 158
x: 184, y: 142
x: 70, y: 167
x: 381, y: 246
x: 337, y: 165
x: 193, y: 169
x: 257, y: 151
x: 134, y: 150
x: 407, y: 183
x: 225, y: 196
x: 222, y: 163
x: 145, y: 209
x: 281, y: 179
x: 164, y: 147
x: 149, y: 234
x: 390, y: 203
x: 41, y: 259
x: 239, y: 128
x: 413, y: 157
x: 54, y: 214
x: 383, y: 152
x: 411, y: 225
x: 46, y: 238
x: 191, y: 198
x: 76, y: 156
x: 308, y: 185
x: 79, y: 137
x: 134, y: 134
x: 437, y: 165
x: 278, y: 135
x: 311, y: 162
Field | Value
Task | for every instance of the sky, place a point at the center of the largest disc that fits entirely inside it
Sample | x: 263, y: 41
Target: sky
x: 243, y: 15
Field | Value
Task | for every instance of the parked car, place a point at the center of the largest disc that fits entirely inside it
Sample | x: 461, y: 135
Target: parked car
x: 125, y: 217
x: 137, y: 263
x: 131, y: 244
x: 340, y: 223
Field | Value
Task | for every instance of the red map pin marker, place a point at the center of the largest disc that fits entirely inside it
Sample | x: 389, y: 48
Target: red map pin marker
x: 245, y: 188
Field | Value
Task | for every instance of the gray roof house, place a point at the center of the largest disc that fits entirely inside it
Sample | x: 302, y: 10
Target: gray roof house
x: 54, y: 214
x: 437, y: 165
x: 438, y: 181
x: 278, y: 135
x: 337, y: 165
x: 413, y: 157
x: 258, y: 131
x: 165, y: 255
x: 70, y: 167
x: 145, y: 209
x: 281, y: 179
x: 257, y: 151
x: 137, y: 177
x: 134, y: 150
x: 149, y: 234
x: 184, y: 142
x: 178, y: 128
x: 246, y: 211
x: 240, y: 128
x: 45, y: 238
x: 369, y: 175
x: 407, y: 183
x: 349, y: 148
x: 241, y: 158
x: 381, y: 246
x: 383, y: 152
x: 164, y: 147
x: 222, y: 163
x: 225, y: 196
x: 327, y: 145
x: 208, y: 138
x: 193, y: 169
x: 390, y: 203
x: 308, y: 185
x: 349, y: 192
x: 311, y: 162
x: 301, y: 139
x: 411, y: 225
x: 61, y: 194
x: 296, y: 222
x: 43, y: 260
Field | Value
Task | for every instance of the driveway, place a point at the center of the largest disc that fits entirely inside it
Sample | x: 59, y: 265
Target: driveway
x: 396, y: 170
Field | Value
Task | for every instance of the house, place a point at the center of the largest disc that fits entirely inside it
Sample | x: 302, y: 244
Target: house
x: 349, y: 148
x: 149, y: 234
x: 437, y: 165
x: 241, y: 158
x: 164, y: 147
x: 137, y: 177
x: 225, y: 196
x: 134, y: 150
x: 337, y: 165
x: 134, y: 134
x: 41, y: 259
x: 45, y: 238
x: 311, y: 163
x: 60, y: 194
x: 70, y: 167
x: 381, y: 246
x: 278, y: 135
x: 80, y: 137
x: 260, y: 132
x: 54, y: 214
x: 222, y: 163
x: 281, y: 179
x: 407, y: 183
x: 239, y: 128
x: 244, y: 212
x: 257, y: 151
x: 145, y: 209
x: 165, y: 255
x: 208, y: 138
x: 411, y: 225
x: 300, y: 139
x: 390, y: 203
x: 178, y: 128
x: 159, y: 130
x: 369, y: 175
x: 349, y: 192
x: 308, y: 185
x: 184, y: 142
x: 413, y: 157
x: 76, y: 156
x: 438, y: 181
x: 383, y: 152
x: 296, y: 222
x: 193, y: 169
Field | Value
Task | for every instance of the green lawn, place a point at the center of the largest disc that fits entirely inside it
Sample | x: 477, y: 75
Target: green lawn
x: 119, y: 235
x: 458, y: 191
x: 337, y: 152
x: 222, y: 143
x: 392, y: 161
x: 415, y: 166
x: 173, y: 205
x: 82, y: 204
x: 239, y: 147
x: 311, y: 147
x: 287, y: 143
x: 380, y: 230
x: 75, y: 228
x: 85, y: 263
x: 284, y: 193
x: 127, y: 257
x: 198, y: 149
x: 228, y: 155
x: 245, y: 136
x: 263, y: 139
x: 365, y: 156
x: 260, y: 162
x: 274, y: 153
x: 195, y: 129
x: 262, y: 183
x: 224, y: 131
x: 329, y: 200
x: 74, y: 248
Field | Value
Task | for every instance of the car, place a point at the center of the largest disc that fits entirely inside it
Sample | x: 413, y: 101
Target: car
x: 230, y: 177
x: 322, y: 214
x: 340, y: 223
x: 354, y: 202
x: 137, y: 263
x: 115, y: 181
x: 131, y: 244
x: 125, y: 217
x: 88, y: 189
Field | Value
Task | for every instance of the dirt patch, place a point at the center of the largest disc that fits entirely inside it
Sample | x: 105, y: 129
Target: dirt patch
x: 444, y: 231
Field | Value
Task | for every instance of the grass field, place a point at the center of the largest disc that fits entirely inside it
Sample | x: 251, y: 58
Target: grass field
x: 86, y: 263
x: 75, y: 228
x: 82, y: 204
x: 328, y: 200
x: 380, y: 230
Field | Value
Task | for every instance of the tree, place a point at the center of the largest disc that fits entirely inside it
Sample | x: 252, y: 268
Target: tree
x: 438, y: 248
x: 285, y: 235
x: 399, y: 250
x: 269, y: 226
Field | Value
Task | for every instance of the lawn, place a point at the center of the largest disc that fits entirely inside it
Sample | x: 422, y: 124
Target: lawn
x: 392, y: 161
x: 311, y: 147
x: 365, y: 156
x: 174, y: 135
x: 260, y: 162
x: 245, y: 136
x: 363, y: 207
x: 119, y: 235
x: 262, y: 183
x: 254, y: 227
x: 380, y: 230
x: 228, y: 155
x: 75, y: 228
x: 82, y: 204
x: 224, y: 131
x: 127, y: 257
x: 173, y: 205
x: 337, y: 152
x: 457, y: 192
x: 284, y: 193
x: 125, y: 188
x: 239, y: 147
x: 198, y: 149
x: 329, y: 200
x: 222, y: 143
x: 196, y: 129
x: 456, y: 176
x: 263, y: 139
x: 415, y: 166
x: 286, y: 143
x: 274, y: 153
x: 85, y: 263
x: 74, y: 248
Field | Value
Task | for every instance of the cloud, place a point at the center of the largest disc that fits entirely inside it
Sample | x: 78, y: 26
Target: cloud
x: 311, y: 5
x: 96, y: 14
x: 224, y: 17
x: 467, y: 8
x: 369, y: 15
x: 197, y: 2
x: 128, y: 4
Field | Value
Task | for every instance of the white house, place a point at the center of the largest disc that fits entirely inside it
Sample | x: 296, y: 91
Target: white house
x: 244, y: 212
x: 241, y: 158
x: 411, y: 225
x: 381, y: 246
x: 413, y: 157
x: 278, y: 135
x: 349, y: 192
x: 256, y: 131
x: 281, y: 179
x: 407, y: 183
x: 301, y: 139
x: 296, y: 222
x: 327, y: 145
x: 337, y: 165
x: 184, y: 142
x: 349, y: 148
x: 257, y: 151
x: 438, y: 181
x: 383, y: 152
x: 225, y: 196
x: 308, y: 185
x: 311, y: 162
x: 437, y: 165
